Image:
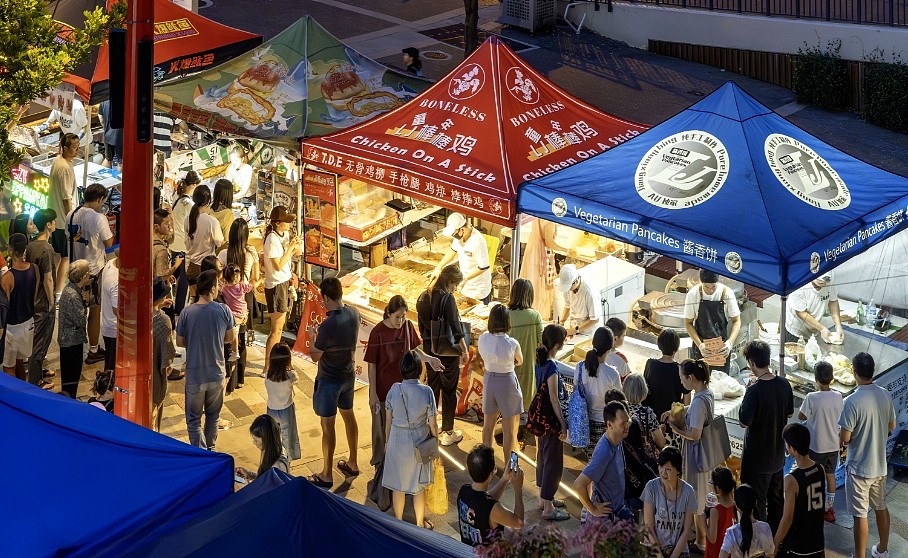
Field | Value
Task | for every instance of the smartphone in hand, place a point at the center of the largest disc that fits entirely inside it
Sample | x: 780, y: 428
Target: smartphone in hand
x: 513, y: 462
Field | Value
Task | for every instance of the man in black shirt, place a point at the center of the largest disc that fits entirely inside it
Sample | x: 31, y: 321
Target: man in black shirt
x: 333, y: 347
x: 768, y: 404
x: 800, y: 533
x: 481, y: 516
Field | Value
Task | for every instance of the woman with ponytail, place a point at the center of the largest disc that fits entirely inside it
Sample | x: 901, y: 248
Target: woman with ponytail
x: 749, y: 538
x: 549, y: 451
x: 694, y: 375
x: 203, y: 234
x: 598, y: 377
x: 179, y: 212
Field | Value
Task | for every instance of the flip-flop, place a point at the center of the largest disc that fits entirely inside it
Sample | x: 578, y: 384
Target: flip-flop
x: 428, y: 525
x: 345, y: 469
x: 557, y: 514
x: 317, y: 481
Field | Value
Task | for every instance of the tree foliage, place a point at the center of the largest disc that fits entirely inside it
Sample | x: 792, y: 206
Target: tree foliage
x: 35, y: 55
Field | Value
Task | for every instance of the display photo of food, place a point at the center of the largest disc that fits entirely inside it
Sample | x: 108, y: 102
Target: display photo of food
x: 312, y: 241
x: 328, y: 214
x: 328, y: 250
x: 312, y: 208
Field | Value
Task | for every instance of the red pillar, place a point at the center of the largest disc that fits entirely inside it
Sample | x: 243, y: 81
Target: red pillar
x: 133, y: 379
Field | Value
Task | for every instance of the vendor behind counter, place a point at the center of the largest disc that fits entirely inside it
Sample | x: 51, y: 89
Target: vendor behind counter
x: 806, y: 307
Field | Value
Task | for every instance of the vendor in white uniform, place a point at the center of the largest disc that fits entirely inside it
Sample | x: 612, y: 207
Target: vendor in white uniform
x: 806, y: 307
x: 708, y: 309
x: 72, y: 124
x: 582, y: 304
x: 472, y: 252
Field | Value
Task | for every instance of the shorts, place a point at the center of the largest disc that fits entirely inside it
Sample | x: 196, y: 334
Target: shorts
x: 113, y: 153
x: 501, y: 393
x: 59, y: 242
x: 278, y: 298
x: 862, y: 493
x: 193, y: 270
x: 829, y: 460
x: 328, y: 397
x: 19, y: 340
x: 95, y: 287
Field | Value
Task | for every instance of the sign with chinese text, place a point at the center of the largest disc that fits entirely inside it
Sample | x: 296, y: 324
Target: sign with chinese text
x: 320, y: 233
x: 60, y: 99
x: 468, y: 141
x: 314, y: 313
x: 28, y: 190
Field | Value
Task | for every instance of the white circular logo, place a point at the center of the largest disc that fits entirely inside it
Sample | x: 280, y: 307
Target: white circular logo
x: 559, y: 207
x: 805, y: 174
x: 682, y: 170
x: 521, y: 86
x: 733, y: 262
x: 467, y: 83
x: 814, y: 262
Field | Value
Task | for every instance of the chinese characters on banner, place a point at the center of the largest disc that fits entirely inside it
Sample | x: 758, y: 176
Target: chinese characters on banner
x: 320, y: 219
x: 314, y: 313
x: 284, y: 193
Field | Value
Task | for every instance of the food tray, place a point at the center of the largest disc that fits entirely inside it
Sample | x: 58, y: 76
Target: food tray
x: 804, y: 377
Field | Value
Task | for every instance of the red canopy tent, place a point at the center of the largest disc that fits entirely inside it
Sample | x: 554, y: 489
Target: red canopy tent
x: 469, y: 140
x: 185, y: 42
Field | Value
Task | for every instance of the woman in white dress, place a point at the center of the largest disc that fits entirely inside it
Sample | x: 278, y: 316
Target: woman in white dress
x: 411, y: 419
x: 539, y: 265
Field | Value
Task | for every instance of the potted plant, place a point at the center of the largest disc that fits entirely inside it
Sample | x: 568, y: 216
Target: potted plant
x: 530, y: 542
x: 611, y: 538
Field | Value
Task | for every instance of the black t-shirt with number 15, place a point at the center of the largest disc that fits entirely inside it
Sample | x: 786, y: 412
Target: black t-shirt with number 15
x: 805, y: 537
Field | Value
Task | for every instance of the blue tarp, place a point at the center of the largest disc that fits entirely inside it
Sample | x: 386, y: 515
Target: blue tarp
x: 731, y: 186
x: 83, y: 482
x: 278, y: 515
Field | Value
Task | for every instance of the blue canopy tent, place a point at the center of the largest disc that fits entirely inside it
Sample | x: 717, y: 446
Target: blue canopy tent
x: 278, y: 515
x: 730, y: 186
x: 83, y: 482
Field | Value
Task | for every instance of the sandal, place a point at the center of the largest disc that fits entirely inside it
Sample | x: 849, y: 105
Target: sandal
x: 428, y: 525
x: 557, y: 514
x: 346, y: 469
x: 555, y: 502
x: 319, y: 482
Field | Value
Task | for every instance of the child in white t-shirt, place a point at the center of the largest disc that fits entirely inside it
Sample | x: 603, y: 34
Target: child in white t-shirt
x: 822, y: 409
x: 749, y: 538
x: 615, y: 358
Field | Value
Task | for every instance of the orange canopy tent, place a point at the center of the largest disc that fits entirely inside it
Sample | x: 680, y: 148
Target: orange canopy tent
x: 185, y: 42
x: 469, y: 140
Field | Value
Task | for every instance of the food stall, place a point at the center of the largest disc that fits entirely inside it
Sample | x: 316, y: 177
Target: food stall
x: 694, y: 188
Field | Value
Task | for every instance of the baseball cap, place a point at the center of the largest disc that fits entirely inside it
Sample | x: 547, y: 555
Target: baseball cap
x: 159, y: 289
x: 567, y: 277
x: 455, y: 221
x: 826, y: 277
x: 280, y: 214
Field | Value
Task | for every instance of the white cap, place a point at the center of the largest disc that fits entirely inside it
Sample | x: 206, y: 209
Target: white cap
x: 455, y: 221
x: 826, y: 277
x: 567, y: 277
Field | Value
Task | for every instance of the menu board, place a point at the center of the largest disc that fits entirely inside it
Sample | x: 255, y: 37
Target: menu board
x: 321, y: 240
x: 284, y: 193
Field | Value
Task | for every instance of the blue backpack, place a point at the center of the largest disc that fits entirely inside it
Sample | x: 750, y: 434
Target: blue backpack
x: 578, y: 417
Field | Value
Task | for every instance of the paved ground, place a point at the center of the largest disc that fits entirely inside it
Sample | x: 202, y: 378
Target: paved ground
x: 626, y: 82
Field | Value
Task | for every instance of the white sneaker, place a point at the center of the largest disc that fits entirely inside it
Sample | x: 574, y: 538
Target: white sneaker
x: 877, y: 554
x: 234, y: 356
x: 450, y: 437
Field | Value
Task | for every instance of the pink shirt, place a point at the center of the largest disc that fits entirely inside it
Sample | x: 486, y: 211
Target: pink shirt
x: 235, y: 297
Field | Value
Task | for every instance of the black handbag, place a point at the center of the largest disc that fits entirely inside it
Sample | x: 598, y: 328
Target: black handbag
x: 441, y: 334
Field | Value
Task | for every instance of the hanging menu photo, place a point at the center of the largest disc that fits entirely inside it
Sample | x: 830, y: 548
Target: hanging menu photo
x: 320, y: 219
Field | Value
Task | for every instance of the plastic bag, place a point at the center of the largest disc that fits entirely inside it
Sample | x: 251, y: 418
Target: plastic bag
x: 578, y: 419
x: 437, y: 492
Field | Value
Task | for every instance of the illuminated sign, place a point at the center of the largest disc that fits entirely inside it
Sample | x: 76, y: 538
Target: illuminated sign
x: 29, y: 190
x: 175, y: 29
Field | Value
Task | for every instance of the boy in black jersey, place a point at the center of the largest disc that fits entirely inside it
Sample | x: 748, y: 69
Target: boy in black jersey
x: 800, y: 533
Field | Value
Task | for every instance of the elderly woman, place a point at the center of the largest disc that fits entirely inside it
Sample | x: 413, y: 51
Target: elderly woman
x: 71, y: 334
x: 636, y: 391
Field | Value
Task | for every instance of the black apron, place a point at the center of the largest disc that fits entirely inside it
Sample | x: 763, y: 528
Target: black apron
x: 711, y: 322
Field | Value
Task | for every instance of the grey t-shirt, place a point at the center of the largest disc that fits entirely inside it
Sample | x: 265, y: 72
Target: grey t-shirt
x: 337, y: 337
x: 606, y: 470
x: 669, y: 513
x: 204, y: 327
x: 867, y: 415
x: 40, y: 253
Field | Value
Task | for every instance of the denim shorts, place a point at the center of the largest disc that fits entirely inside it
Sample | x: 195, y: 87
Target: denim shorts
x: 329, y: 397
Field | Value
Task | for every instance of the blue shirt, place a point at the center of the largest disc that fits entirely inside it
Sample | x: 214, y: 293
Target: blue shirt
x: 867, y: 415
x: 606, y: 470
x: 204, y: 326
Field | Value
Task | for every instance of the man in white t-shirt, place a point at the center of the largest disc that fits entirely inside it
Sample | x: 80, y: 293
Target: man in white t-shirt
x: 110, y: 287
x: 90, y: 237
x: 60, y: 199
x: 72, y: 124
x: 806, y: 307
x: 709, y: 309
x: 472, y: 252
x: 582, y: 303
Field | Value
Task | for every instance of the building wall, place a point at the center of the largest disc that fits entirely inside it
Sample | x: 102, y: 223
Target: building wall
x: 636, y: 24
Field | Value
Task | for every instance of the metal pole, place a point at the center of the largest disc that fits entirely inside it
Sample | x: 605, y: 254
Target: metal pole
x: 515, y: 251
x: 782, y: 332
x: 86, y: 154
x: 133, y: 379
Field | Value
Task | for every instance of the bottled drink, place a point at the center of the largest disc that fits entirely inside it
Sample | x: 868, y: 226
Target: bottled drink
x: 501, y: 285
x: 859, y: 314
